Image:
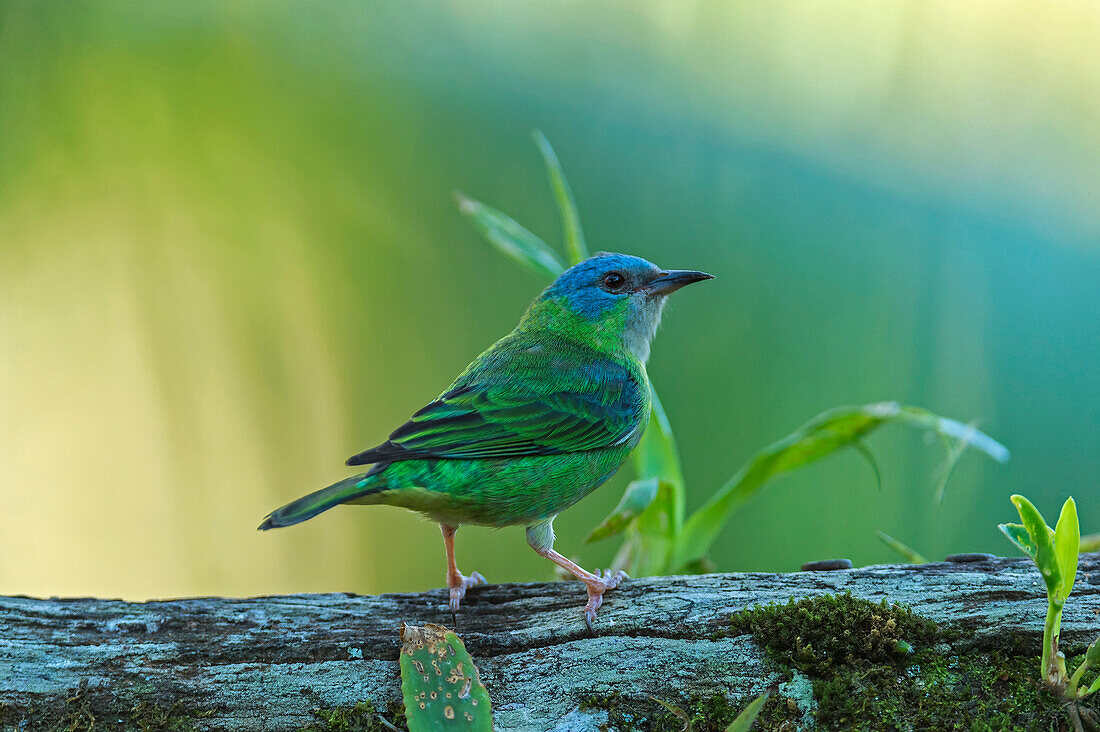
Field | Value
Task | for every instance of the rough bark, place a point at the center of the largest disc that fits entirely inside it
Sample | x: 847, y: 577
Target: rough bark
x: 265, y: 663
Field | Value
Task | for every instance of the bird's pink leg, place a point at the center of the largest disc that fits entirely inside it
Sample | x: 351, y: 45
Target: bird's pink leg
x: 541, y: 539
x: 455, y: 581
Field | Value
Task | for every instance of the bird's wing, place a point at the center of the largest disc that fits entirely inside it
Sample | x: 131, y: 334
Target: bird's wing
x: 535, y: 412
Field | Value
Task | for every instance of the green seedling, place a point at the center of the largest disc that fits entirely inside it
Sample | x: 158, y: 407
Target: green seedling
x: 440, y: 683
x: 1055, y: 552
x: 658, y: 537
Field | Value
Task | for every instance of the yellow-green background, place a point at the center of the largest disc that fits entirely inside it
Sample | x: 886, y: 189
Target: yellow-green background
x: 229, y: 259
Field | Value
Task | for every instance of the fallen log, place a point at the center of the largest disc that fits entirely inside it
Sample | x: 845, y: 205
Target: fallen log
x: 306, y: 661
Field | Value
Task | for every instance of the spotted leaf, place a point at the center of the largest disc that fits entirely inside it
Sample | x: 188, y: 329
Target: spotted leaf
x: 440, y: 683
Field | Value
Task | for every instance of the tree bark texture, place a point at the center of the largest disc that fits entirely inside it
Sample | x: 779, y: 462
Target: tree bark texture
x: 264, y: 663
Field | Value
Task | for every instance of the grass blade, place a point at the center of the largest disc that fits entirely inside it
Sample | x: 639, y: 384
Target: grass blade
x: 677, y: 712
x: 510, y: 238
x: 658, y: 527
x: 563, y: 196
x: 822, y: 436
x: 911, y: 555
x: 967, y: 434
x: 869, y: 455
x: 749, y: 714
x: 657, y: 456
x: 1067, y: 546
x: 953, y: 450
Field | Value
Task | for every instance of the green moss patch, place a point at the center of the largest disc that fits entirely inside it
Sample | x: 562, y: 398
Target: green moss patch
x: 964, y: 693
x: 363, y: 717
x: 103, y: 710
x: 876, y: 666
x: 88, y: 710
x: 818, y: 633
x: 711, y: 713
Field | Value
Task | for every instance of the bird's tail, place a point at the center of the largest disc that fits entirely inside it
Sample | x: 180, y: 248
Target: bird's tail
x: 309, y: 506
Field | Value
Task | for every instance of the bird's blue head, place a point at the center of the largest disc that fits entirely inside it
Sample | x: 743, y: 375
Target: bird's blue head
x: 619, y: 296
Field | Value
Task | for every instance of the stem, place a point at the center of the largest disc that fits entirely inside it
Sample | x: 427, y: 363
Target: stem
x: 1052, y: 674
x: 628, y: 552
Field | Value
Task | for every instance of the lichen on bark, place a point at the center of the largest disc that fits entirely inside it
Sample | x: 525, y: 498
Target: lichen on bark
x: 224, y: 663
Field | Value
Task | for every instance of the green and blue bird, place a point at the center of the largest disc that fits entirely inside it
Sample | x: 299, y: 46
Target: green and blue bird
x: 543, y: 417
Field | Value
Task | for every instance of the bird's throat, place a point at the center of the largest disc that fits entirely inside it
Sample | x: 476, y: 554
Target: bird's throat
x: 626, y: 327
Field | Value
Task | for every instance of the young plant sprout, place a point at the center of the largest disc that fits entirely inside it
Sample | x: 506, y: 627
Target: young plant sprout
x: 1055, y: 552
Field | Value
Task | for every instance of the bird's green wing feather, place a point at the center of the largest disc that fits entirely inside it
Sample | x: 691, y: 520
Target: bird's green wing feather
x: 511, y: 406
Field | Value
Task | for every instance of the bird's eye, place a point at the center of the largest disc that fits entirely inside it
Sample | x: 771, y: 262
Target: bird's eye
x: 613, y: 280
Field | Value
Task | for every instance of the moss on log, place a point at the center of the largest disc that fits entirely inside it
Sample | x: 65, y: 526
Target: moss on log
x: 964, y: 655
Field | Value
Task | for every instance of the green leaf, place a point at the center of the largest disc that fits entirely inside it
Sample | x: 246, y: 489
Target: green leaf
x: 636, y: 498
x: 440, y: 684
x: 865, y: 450
x: 1092, y: 655
x: 656, y: 534
x: 953, y: 451
x: 563, y: 196
x: 1067, y: 546
x: 1018, y: 535
x: 967, y: 434
x: 656, y: 456
x: 1043, y: 538
x: 911, y: 555
x: 748, y: 714
x: 514, y: 241
x: 822, y: 436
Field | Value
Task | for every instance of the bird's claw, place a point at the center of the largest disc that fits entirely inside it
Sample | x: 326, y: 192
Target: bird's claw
x: 608, y: 580
x: 458, y: 586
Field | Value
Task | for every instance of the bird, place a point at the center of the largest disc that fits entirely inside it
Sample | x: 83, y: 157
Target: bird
x: 542, y: 418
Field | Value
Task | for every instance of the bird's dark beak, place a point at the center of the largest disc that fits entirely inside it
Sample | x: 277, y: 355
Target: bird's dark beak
x: 668, y: 282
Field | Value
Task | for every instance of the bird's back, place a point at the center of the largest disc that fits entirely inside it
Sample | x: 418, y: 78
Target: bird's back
x: 529, y: 394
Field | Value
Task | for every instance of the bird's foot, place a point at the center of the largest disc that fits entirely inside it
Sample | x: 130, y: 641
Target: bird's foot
x: 458, y: 585
x: 599, y: 584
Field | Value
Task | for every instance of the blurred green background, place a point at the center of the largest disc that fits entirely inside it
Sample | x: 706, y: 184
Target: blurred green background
x: 229, y: 258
